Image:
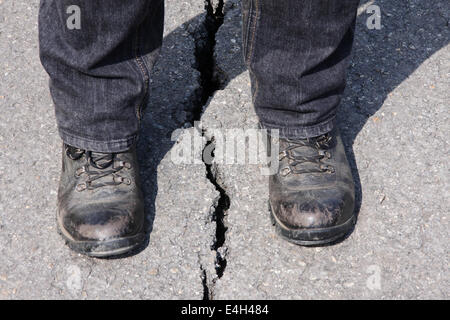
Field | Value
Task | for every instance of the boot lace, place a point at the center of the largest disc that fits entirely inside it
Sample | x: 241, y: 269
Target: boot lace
x: 320, y: 144
x: 98, y: 166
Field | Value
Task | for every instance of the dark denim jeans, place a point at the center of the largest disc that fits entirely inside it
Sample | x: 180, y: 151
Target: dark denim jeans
x: 297, y: 53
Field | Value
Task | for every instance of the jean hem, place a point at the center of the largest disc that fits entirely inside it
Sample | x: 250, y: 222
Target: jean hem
x: 302, y: 132
x: 113, y: 146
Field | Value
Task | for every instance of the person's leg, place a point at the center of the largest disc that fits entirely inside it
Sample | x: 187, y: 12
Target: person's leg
x: 297, y: 53
x: 98, y: 55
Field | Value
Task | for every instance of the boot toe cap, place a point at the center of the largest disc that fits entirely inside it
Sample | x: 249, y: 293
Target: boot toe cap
x: 101, y: 224
x: 305, y: 211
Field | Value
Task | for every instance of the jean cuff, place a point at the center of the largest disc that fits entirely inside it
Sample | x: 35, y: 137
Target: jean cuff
x: 302, y: 132
x: 113, y: 146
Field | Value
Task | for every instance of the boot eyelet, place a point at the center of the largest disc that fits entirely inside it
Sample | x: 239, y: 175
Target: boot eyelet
x: 79, y: 172
x: 81, y: 187
x: 285, y: 171
x: 122, y: 164
x: 117, y: 179
x: 127, y: 165
x: 325, y: 168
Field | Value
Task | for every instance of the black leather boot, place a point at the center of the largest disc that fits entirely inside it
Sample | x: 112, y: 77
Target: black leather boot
x: 100, y: 203
x: 312, y: 196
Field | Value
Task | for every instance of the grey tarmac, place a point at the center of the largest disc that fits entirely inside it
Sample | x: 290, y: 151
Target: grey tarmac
x: 210, y: 236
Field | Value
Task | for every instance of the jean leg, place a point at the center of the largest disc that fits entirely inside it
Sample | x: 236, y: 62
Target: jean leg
x: 98, y: 55
x: 297, y: 53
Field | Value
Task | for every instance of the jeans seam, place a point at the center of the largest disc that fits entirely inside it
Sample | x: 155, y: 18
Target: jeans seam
x: 74, y: 136
x: 252, y: 40
x: 246, y: 35
x: 309, y: 131
x: 253, y: 28
x: 112, y: 146
x: 142, y: 67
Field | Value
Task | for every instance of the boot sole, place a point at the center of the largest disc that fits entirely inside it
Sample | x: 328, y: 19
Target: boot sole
x: 102, y: 249
x: 312, y: 237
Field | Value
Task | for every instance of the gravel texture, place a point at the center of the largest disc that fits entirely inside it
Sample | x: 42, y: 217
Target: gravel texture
x: 394, y: 121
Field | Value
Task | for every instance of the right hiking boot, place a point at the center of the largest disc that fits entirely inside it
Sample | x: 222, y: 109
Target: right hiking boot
x: 312, y: 197
x: 100, y: 202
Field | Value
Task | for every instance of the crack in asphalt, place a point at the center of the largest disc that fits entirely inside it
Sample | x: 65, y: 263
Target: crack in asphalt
x: 205, y: 41
x: 218, y: 216
x: 206, y: 291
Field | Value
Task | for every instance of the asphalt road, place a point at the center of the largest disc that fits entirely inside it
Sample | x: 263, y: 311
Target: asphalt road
x: 209, y: 233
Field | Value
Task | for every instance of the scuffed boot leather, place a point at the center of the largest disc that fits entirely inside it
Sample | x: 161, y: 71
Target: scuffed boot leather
x: 100, y: 203
x: 312, y: 196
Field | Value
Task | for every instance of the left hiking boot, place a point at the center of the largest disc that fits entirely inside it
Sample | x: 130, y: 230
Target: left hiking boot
x: 100, y: 202
x: 312, y: 197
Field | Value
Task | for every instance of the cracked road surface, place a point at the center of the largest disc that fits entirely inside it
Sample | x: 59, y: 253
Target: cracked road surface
x: 210, y: 236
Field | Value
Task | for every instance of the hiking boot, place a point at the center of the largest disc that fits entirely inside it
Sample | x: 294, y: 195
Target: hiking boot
x: 100, y: 202
x: 312, y: 197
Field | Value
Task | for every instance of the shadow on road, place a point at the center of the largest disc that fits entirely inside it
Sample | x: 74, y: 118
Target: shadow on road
x: 382, y: 60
